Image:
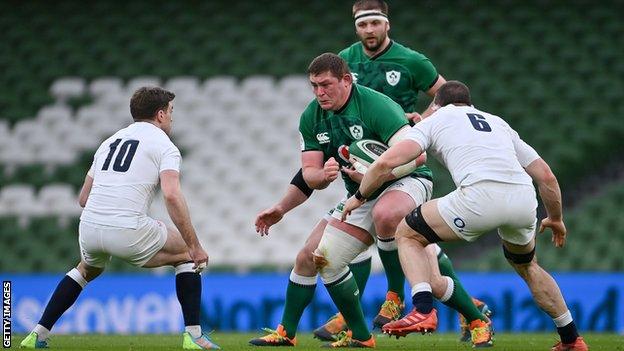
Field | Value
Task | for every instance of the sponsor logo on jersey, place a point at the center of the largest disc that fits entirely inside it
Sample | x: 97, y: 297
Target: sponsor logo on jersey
x: 393, y: 77
x: 355, y: 77
x: 323, y: 138
x: 301, y: 141
x: 357, y: 132
x: 343, y: 152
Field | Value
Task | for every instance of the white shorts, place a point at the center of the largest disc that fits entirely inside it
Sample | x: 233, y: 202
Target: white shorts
x: 419, y: 189
x: 478, y: 208
x: 136, y: 246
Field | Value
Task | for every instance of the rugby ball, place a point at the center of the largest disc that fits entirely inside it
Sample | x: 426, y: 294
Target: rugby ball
x: 362, y: 153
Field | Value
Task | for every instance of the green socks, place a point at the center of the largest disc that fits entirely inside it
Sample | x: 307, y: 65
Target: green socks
x: 446, y: 266
x: 389, y: 255
x: 299, y: 294
x: 345, y: 294
x: 456, y: 296
x: 361, y: 270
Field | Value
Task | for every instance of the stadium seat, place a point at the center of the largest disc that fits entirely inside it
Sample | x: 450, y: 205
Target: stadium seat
x: 69, y: 87
x: 247, y: 98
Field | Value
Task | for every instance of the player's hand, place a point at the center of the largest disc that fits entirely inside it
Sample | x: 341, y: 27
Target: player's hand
x: 331, y: 170
x: 413, y: 117
x: 268, y: 217
x: 199, y: 257
x: 558, y: 228
x: 353, y: 174
x: 351, y: 204
x: 422, y: 159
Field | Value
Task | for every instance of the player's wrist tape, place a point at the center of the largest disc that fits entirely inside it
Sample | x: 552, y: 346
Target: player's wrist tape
x: 358, y: 195
x: 370, y: 15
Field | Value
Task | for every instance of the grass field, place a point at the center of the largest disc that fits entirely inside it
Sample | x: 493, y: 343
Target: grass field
x: 238, y: 341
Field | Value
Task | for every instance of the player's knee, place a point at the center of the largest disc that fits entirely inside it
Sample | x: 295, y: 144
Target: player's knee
x: 403, y: 231
x: 89, y: 272
x: 304, y: 262
x: 386, y: 221
x: 334, y: 252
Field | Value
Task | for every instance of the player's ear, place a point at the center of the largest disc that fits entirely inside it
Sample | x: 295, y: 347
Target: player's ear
x: 160, y: 115
x: 348, y: 78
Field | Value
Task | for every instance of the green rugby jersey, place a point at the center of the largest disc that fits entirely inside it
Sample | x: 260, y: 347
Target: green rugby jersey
x: 367, y: 114
x: 398, y: 72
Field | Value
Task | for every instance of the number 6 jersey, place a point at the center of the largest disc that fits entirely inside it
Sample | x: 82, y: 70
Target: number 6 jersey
x: 125, y: 171
x: 474, y: 145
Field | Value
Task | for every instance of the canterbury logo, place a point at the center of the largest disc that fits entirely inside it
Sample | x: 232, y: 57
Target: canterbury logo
x: 323, y: 138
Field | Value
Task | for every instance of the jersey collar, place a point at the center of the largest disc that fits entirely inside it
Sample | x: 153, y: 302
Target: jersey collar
x: 381, y: 52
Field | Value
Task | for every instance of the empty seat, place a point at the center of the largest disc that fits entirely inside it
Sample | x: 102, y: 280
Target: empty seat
x: 66, y: 88
x: 138, y: 82
x: 105, y: 86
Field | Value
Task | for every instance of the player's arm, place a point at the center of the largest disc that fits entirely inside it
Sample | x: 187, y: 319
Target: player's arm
x: 400, y: 135
x: 298, y: 192
x: 549, y: 191
x: 431, y: 92
x: 85, y: 190
x: 547, y: 185
x: 316, y: 173
x: 177, y: 208
x: 399, y: 154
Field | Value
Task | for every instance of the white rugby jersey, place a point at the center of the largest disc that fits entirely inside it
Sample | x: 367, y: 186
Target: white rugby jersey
x: 125, y: 170
x: 474, y: 145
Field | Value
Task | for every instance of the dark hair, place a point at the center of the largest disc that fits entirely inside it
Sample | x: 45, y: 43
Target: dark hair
x: 452, y: 92
x: 329, y: 62
x: 363, y: 5
x: 147, y: 101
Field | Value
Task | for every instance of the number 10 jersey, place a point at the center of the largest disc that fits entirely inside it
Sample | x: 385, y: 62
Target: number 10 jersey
x: 126, y: 171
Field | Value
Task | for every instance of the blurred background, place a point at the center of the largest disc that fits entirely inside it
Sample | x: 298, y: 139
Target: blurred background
x: 553, y: 69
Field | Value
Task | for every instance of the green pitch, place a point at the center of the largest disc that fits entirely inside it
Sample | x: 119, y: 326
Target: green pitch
x: 238, y: 341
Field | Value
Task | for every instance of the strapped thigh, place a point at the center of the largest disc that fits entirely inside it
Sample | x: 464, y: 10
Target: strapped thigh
x: 416, y: 221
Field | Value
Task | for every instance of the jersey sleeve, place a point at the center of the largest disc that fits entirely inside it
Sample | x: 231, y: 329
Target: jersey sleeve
x: 385, y: 117
x: 306, y: 131
x: 421, y: 133
x: 424, y: 74
x: 170, y: 159
x: 525, y: 153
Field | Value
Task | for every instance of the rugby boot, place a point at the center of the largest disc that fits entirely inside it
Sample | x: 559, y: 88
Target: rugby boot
x: 345, y: 339
x: 203, y: 342
x: 275, y: 337
x: 411, y: 323
x: 390, y: 310
x: 31, y: 342
x: 578, y: 345
x: 330, y: 330
x: 464, y: 327
x: 480, y: 334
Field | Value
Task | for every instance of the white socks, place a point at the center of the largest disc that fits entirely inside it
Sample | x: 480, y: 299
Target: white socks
x: 77, y: 277
x: 42, y: 332
x: 450, y: 288
x: 563, y: 320
x: 420, y: 287
x: 194, y: 330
